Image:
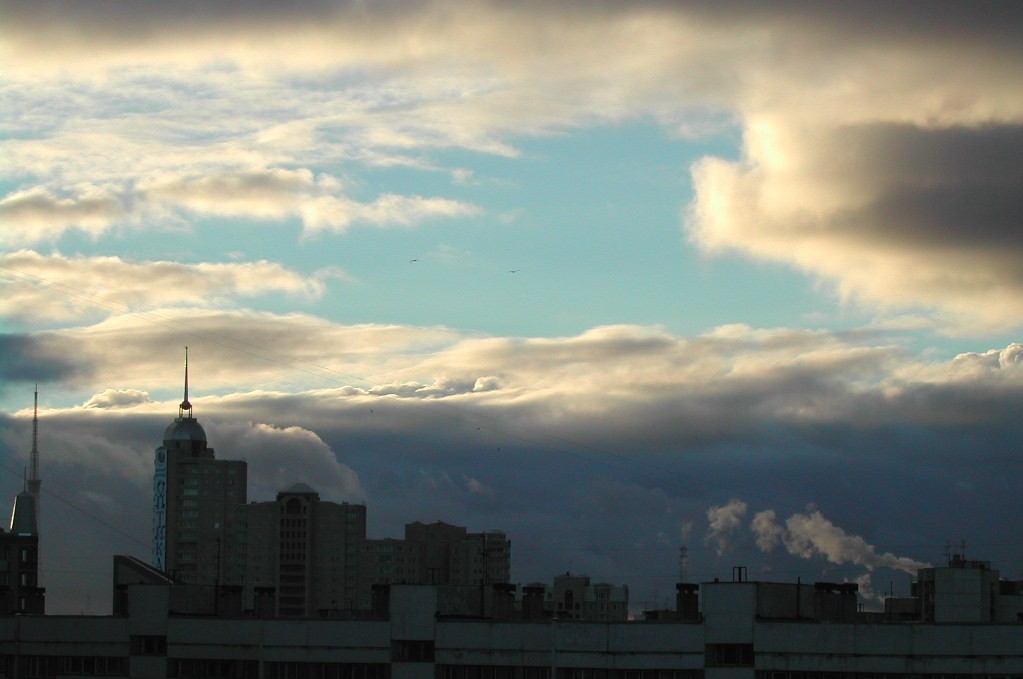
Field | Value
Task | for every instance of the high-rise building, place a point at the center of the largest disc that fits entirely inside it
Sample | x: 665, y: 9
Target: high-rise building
x: 435, y: 554
x: 19, y: 561
x: 198, y: 528
x: 306, y: 550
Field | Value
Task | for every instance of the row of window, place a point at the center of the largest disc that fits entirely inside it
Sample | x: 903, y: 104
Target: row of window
x: 221, y: 669
x: 511, y: 672
x: 192, y: 468
x: 772, y: 674
x: 52, y: 666
x: 195, y: 482
x: 325, y: 670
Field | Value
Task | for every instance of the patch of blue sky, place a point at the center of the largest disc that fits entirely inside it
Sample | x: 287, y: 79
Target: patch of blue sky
x: 591, y: 223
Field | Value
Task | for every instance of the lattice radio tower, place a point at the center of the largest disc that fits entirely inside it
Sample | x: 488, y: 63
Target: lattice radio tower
x: 34, y: 482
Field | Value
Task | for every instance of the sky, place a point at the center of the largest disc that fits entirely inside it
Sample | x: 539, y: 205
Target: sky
x: 615, y: 278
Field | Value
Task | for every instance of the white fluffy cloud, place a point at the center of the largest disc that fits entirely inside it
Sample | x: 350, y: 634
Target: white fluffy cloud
x: 279, y: 457
x: 35, y: 214
x: 117, y: 398
x: 55, y: 287
x: 334, y: 214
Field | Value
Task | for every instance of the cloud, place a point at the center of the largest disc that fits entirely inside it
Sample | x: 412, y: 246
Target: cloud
x: 35, y: 215
x: 308, y: 460
x: 278, y: 193
x: 55, y: 287
x: 272, y: 194
x: 810, y: 535
x: 666, y: 427
x: 35, y: 358
x: 878, y: 156
x: 894, y: 214
x: 650, y: 387
x: 332, y: 214
x: 476, y: 487
x: 723, y: 522
x: 117, y: 398
x: 262, y: 194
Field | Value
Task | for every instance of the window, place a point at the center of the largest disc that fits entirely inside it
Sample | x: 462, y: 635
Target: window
x: 412, y: 651
x: 577, y: 673
x: 321, y: 670
x: 728, y: 655
x: 224, y: 669
x: 46, y: 666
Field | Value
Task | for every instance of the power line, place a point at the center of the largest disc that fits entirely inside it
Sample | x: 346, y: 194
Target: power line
x: 84, y: 511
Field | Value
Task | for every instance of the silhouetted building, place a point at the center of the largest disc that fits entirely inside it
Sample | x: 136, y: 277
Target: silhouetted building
x: 435, y: 554
x: 298, y: 555
x: 966, y: 591
x: 743, y: 630
x: 198, y: 532
x: 573, y: 597
x: 19, y: 561
x: 304, y: 549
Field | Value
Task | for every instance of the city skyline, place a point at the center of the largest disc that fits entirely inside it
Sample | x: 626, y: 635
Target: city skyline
x: 611, y: 278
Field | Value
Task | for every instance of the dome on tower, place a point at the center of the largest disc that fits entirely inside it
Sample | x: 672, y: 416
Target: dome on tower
x: 185, y: 429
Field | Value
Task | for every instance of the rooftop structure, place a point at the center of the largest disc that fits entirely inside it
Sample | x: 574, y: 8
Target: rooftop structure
x: 19, y: 561
x: 742, y: 630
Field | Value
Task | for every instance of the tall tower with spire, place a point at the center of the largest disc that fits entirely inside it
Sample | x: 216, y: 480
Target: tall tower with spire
x: 19, y: 569
x: 197, y: 505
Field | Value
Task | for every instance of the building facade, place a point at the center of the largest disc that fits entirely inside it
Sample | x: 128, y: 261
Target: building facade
x: 306, y: 550
x: 574, y: 597
x: 435, y: 554
x: 20, y: 592
x: 742, y: 630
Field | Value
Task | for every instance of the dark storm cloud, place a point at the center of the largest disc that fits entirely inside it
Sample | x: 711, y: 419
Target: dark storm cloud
x: 892, y: 213
x: 37, y: 358
x: 943, y: 188
x: 954, y: 19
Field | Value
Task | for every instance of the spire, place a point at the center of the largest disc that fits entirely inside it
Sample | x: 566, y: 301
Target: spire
x: 185, y: 405
x: 34, y: 482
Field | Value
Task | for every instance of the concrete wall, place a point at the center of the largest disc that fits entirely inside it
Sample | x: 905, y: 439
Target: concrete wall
x: 890, y: 648
x: 729, y: 610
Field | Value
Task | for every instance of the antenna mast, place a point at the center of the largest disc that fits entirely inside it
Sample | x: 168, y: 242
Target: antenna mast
x: 185, y: 405
x: 34, y: 482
